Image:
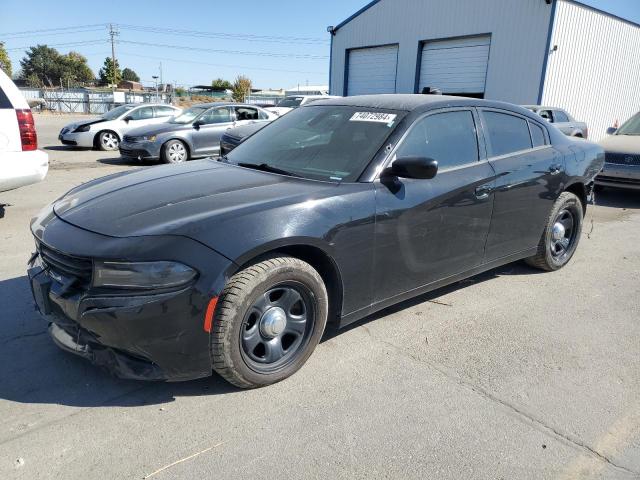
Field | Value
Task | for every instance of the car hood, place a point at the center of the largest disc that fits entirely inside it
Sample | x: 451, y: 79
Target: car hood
x: 157, y: 129
x: 189, y: 199
x: 244, y: 131
x: 88, y: 121
x: 279, y: 110
x: 621, y: 144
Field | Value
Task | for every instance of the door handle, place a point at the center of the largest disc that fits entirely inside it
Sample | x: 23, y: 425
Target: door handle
x: 483, y: 191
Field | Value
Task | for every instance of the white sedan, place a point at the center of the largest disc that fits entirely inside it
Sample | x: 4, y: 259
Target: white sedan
x: 21, y: 163
x: 107, y: 131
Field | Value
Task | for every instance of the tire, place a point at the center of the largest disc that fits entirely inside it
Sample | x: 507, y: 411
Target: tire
x: 174, y: 151
x: 108, y: 141
x: 250, y: 345
x: 559, y: 243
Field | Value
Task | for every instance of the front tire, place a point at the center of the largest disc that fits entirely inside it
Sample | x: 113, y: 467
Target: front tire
x: 108, y: 141
x: 561, y: 235
x: 269, y: 319
x: 174, y: 151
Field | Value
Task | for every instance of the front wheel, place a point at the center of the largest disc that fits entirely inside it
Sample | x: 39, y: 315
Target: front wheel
x: 561, y: 235
x: 269, y: 319
x: 174, y: 151
x: 108, y: 141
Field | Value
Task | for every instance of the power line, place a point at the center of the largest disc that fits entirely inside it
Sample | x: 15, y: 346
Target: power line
x: 26, y: 32
x: 66, y: 32
x: 244, y: 67
x: 233, y: 52
x: 229, y: 36
x: 68, y: 44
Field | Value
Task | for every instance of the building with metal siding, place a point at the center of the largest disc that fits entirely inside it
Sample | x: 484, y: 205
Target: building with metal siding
x: 557, y: 52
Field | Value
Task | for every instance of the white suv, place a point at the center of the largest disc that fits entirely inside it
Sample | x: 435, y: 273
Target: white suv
x: 21, y: 163
x: 105, y: 132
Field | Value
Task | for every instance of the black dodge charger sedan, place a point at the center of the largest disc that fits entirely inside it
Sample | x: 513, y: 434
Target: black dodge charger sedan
x: 332, y: 212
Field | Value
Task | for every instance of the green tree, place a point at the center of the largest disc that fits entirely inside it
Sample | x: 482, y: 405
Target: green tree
x: 241, y: 88
x: 222, y: 84
x: 130, y: 75
x: 106, y: 73
x: 44, y: 66
x: 5, y: 61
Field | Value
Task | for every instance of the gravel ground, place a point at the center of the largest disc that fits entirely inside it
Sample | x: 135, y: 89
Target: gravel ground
x: 513, y: 374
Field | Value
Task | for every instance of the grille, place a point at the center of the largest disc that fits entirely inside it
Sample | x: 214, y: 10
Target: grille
x: 66, y: 265
x: 622, y: 158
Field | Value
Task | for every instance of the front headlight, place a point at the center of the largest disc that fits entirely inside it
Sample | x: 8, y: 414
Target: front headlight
x: 141, y: 275
x: 150, y: 138
x: 83, y: 128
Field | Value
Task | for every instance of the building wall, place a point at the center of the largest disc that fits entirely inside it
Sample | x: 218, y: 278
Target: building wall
x: 519, y: 31
x: 595, y: 72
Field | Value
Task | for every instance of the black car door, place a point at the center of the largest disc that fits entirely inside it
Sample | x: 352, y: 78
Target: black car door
x: 529, y: 178
x: 427, y: 230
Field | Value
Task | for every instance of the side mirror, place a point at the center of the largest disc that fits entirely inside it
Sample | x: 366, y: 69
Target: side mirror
x: 128, y: 118
x: 420, y: 168
x: 611, y: 130
x: 197, y: 124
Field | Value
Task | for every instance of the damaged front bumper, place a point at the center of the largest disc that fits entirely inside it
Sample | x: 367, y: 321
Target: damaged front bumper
x: 149, y: 335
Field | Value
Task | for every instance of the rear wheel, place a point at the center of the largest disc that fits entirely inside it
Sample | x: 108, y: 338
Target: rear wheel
x: 108, y: 141
x: 269, y: 319
x: 561, y: 235
x: 174, y: 151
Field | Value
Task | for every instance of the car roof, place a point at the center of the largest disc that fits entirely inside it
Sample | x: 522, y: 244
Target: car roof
x: 542, y: 107
x: 414, y: 102
x: 224, y: 104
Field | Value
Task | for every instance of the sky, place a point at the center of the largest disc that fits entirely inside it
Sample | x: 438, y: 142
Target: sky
x: 277, y: 44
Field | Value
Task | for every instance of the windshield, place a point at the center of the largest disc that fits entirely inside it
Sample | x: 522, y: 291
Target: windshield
x: 330, y: 143
x: 117, y: 112
x: 290, y: 102
x: 188, y: 116
x: 631, y: 127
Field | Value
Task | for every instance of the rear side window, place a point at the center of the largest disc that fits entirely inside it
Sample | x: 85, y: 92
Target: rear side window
x: 4, y: 100
x: 449, y: 138
x: 537, y: 135
x: 165, y: 112
x: 560, y: 117
x: 246, y: 113
x: 507, y: 133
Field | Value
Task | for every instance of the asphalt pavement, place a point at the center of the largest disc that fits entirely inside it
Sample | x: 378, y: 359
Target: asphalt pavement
x: 513, y: 374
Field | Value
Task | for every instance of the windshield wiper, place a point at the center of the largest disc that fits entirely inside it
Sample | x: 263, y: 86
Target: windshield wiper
x: 265, y: 167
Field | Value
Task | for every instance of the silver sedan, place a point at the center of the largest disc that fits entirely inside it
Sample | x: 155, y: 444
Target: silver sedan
x: 193, y: 134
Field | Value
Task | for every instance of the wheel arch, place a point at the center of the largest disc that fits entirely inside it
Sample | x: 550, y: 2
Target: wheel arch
x: 316, y: 256
x: 579, y: 189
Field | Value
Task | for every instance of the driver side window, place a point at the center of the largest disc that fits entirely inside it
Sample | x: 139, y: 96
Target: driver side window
x: 449, y: 138
x: 142, y: 113
x: 215, y: 115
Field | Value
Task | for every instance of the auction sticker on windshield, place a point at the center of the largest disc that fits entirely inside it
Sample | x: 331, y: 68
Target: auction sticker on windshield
x: 377, y: 117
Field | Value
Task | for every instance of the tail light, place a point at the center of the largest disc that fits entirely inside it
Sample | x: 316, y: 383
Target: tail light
x: 28, y: 135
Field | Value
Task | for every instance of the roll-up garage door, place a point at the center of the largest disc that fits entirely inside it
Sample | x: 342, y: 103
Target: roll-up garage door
x: 457, y: 67
x: 372, y: 70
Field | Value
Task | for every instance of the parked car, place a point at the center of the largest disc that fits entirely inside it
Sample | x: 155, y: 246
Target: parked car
x: 334, y: 211
x: 195, y: 133
x: 232, y: 138
x: 561, y: 120
x: 21, y: 163
x: 622, y: 156
x: 106, y: 132
x: 294, y: 101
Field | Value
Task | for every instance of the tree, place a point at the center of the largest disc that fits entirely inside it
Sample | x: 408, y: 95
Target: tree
x: 241, y: 88
x: 129, y: 75
x: 44, y: 66
x: 106, y: 72
x: 222, y: 84
x: 5, y: 61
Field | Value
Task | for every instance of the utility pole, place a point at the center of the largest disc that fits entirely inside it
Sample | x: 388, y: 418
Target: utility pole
x: 112, y: 34
x: 161, y: 82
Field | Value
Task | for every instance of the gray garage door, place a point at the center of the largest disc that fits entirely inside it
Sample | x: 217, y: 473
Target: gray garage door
x: 456, y: 66
x: 372, y: 70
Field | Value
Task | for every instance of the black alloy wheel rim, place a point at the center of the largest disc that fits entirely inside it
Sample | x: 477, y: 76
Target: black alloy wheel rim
x: 563, y: 234
x: 277, y: 327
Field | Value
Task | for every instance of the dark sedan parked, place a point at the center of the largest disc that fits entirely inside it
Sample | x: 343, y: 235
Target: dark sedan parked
x: 335, y: 211
x: 234, y: 137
